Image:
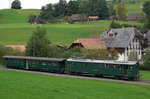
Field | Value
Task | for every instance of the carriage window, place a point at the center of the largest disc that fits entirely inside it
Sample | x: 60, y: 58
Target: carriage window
x: 54, y: 64
x: 72, y: 63
x: 43, y: 63
x: 105, y: 65
x: 101, y: 66
x: 114, y: 66
x: 49, y: 63
x: 131, y: 67
x: 120, y: 67
x: 33, y: 62
x: 38, y: 62
x: 85, y: 64
x: 30, y: 62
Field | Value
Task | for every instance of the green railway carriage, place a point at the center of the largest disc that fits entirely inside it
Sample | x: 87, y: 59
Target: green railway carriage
x: 14, y: 62
x: 103, y: 68
x: 35, y: 63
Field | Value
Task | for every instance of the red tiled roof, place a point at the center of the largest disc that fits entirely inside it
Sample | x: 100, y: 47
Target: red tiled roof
x: 91, y: 43
x: 93, y: 17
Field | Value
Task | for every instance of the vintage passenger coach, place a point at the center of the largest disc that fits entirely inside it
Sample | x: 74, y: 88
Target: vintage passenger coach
x: 119, y: 69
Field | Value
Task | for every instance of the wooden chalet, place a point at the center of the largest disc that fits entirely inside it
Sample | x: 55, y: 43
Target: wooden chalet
x: 38, y: 21
x: 93, y: 18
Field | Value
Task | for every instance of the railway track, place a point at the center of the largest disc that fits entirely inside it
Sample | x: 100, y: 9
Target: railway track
x: 80, y: 77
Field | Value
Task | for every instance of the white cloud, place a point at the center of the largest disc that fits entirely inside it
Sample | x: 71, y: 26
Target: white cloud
x: 27, y: 4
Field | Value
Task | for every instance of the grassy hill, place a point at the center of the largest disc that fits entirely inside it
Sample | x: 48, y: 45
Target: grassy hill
x: 15, y: 29
x: 16, y: 16
x: 65, y: 34
x: 17, y: 85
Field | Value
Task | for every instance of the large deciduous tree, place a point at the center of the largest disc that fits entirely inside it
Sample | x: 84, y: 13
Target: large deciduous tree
x: 97, y: 8
x: 60, y: 8
x: 121, y: 11
x: 47, y: 12
x: 73, y: 6
x: 16, y: 4
x: 146, y: 10
x: 38, y: 45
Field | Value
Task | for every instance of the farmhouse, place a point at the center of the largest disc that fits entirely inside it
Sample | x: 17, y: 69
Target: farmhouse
x: 93, y: 18
x: 89, y: 43
x: 38, y: 21
x: 78, y: 17
x: 125, y: 41
x: 135, y: 17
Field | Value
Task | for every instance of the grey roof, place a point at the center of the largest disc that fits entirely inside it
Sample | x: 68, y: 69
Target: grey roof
x: 124, y: 36
x: 36, y: 58
x: 103, y: 61
x: 134, y: 17
x: 147, y: 36
x: 76, y: 17
x: 94, y: 36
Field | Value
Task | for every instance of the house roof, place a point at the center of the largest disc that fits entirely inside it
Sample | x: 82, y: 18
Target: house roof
x: 134, y: 17
x: 94, y: 36
x: 147, y: 36
x: 76, y: 17
x: 124, y: 36
x: 93, y: 17
x: 103, y: 61
x: 90, y: 43
x: 38, y: 19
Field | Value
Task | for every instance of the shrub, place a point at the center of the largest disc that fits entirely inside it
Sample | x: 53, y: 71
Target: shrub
x: 9, y: 51
x: 146, y: 65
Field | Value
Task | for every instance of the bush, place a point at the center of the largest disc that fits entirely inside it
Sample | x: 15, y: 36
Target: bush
x: 146, y: 65
x: 9, y: 51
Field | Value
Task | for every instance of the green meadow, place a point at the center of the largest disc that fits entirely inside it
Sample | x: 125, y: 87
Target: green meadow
x: 17, y: 85
x: 15, y: 29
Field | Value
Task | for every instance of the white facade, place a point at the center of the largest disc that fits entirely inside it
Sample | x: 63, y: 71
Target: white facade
x: 134, y: 46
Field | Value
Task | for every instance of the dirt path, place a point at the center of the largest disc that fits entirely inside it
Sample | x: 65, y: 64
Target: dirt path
x: 19, y: 47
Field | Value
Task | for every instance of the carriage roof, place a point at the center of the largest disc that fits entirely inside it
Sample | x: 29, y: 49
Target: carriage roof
x: 36, y: 58
x: 103, y: 61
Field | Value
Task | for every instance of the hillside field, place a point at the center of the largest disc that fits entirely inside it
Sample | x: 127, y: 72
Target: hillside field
x: 17, y: 85
x: 15, y: 29
x: 65, y: 34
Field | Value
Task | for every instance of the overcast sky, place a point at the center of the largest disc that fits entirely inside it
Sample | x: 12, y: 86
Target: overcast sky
x: 28, y: 4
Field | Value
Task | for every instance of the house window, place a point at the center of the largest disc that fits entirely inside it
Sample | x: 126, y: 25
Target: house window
x: 111, y: 35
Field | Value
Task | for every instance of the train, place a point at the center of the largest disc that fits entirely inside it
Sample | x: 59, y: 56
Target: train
x: 100, y: 68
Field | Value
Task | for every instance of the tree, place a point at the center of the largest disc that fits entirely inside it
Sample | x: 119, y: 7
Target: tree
x: 97, y: 8
x: 38, y: 45
x: 121, y: 11
x: 47, y: 12
x: 112, y: 10
x: 146, y: 58
x: 60, y: 8
x: 73, y: 6
x: 16, y: 4
x: 31, y: 18
x: 81, y: 8
x: 146, y: 10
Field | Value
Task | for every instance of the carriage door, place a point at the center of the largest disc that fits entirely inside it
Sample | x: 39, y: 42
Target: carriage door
x: 27, y: 67
x: 125, y: 70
